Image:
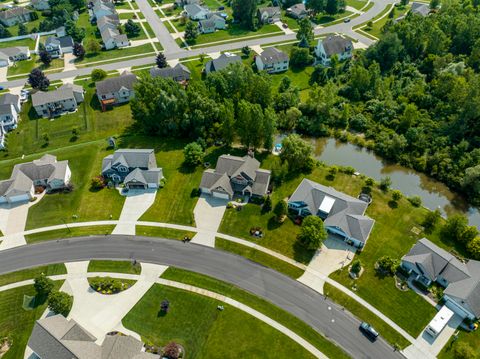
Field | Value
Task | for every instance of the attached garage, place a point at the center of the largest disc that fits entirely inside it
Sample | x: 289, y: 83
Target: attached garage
x: 19, y: 198
x: 221, y: 195
x: 3, y: 199
x: 135, y: 186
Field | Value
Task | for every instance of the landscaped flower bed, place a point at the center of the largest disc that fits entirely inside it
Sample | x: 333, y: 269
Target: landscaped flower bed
x: 108, y: 285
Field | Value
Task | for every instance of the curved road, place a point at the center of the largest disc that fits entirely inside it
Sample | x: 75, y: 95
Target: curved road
x: 301, y: 301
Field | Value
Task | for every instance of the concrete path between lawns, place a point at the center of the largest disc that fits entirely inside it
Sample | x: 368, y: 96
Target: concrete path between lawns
x: 98, y: 302
x: 208, y: 215
x: 249, y: 244
x: 136, y: 204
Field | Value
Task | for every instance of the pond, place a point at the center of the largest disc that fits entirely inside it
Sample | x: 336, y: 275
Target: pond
x: 434, y: 194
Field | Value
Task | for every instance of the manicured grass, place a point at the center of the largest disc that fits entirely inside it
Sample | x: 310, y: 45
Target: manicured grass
x: 114, y: 266
x: 22, y: 42
x: 259, y: 257
x: 331, y: 19
x: 170, y: 233
x: 134, y: 51
x: 31, y: 273
x: 149, y: 30
x: 86, y: 204
x: 68, y: 233
x: 470, y: 338
x: 174, y: 203
x: 16, y: 322
x: 24, y: 67
x: 194, y: 321
x: 196, y: 67
x: 377, y: 28
x: 365, y: 315
x: 357, y: 4
x: 263, y: 306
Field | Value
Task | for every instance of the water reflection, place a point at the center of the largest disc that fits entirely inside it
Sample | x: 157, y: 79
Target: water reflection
x: 434, y: 194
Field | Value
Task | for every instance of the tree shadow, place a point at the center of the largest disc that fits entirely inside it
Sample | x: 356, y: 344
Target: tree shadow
x: 301, y: 254
x: 392, y: 204
x: 273, y: 224
x: 161, y: 313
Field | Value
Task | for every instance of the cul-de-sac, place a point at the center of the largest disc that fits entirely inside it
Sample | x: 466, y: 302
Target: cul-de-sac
x: 231, y: 179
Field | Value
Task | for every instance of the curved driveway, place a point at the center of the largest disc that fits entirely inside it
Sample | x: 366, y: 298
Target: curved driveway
x: 294, y: 297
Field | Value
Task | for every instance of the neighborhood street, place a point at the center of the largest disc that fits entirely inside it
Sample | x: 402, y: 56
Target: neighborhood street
x: 294, y: 297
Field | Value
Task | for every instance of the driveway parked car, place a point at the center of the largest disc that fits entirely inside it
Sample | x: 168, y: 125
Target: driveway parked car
x: 368, y: 330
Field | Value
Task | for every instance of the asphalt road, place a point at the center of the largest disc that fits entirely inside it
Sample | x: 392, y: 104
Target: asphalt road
x: 294, y: 297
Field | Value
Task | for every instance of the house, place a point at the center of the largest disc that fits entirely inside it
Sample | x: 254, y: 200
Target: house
x: 179, y: 73
x: 221, y: 62
x: 40, y: 4
x: 9, y: 110
x: 14, y: 16
x: 196, y: 12
x: 428, y: 263
x: 112, y: 39
x: 108, y: 22
x: 333, y: 45
x: 235, y: 175
x: 45, y: 172
x: 64, y: 99
x: 13, y: 54
x: 212, y: 23
x: 59, y: 338
x: 136, y: 169
x: 100, y: 8
x: 57, y: 46
x: 342, y: 214
x: 182, y: 3
x: 269, y: 15
x: 2, y: 137
x: 272, y: 60
x: 420, y: 9
x: 116, y: 90
x: 297, y: 11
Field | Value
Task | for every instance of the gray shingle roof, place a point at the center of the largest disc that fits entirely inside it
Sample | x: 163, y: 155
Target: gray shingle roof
x: 335, y: 45
x: 420, y: 9
x: 6, y: 109
x: 194, y: 9
x: 346, y: 213
x: 14, y: 12
x: 271, y: 56
x: 132, y: 158
x: 468, y: 290
x: 14, y: 51
x: 297, y: 9
x: 114, y: 84
x: 178, y: 73
x: 9, y: 99
x: 63, y: 42
x: 221, y: 62
x: 43, y: 97
x: 271, y: 11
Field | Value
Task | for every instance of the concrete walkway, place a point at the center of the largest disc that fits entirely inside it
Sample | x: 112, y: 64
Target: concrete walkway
x: 208, y: 215
x: 136, y: 204
x: 96, y: 306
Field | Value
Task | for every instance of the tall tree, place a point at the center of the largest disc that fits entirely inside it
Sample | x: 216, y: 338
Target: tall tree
x: 161, y: 60
x: 4, y: 32
x: 38, y: 80
x: 332, y: 7
x: 312, y: 233
x: 45, y: 57
x: 60, y: 303
x: 296, y: 152
x: 22, y: 29
x: 78, y: 50
x: 245, y: 11
x: 305, y: 32
x: 191, y: 32
x: 92, y: 46
x: 77, y: 33
x: 227, y: 113
x: 132, y: 29
x: 316, y: 6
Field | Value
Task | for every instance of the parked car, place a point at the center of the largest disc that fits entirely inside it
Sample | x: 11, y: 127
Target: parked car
x: 24, y: 95
x: 368, y: 330
x: 285, y: 25
x: 347, y: 19
x: 221, y: 8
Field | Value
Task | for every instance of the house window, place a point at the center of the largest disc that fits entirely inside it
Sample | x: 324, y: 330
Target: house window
x: 103, y: 97
x: 122, y: 169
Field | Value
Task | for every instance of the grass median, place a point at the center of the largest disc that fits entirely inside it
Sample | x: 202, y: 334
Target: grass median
x: 114, y: 266
x: 68, y: 233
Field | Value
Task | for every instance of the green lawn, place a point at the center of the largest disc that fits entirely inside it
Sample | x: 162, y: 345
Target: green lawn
x: 169, y: 233
x: 22, y: 42
x: 16, y: 322
x: 263, y: 306
x: 331, y: 19
x: 31, y: 273
x: 385, y: 330
x: 259, y: 257
x: 470, y: 338
x: 25, y: 66
x: 196, y: 67
x: 114, y: 54
x: 376, y: 29
x: 194, y: 321
x: 114, y: 266
x: 68, y: 233
x: 357, y: 4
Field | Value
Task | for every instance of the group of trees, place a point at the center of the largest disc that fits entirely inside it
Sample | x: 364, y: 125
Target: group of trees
x: 58, y: 302
x: 231, y: 104
x: 456, y: 230
x: 330, y: 7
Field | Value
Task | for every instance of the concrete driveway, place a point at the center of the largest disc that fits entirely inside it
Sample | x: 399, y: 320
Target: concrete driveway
x: 136, y: 204
x: 208, y: 215
x: 334, y: 254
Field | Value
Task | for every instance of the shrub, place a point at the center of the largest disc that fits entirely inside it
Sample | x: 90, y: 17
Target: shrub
x: 396, y: 195
x: 312, y: 233
x: 98, y: 182
x: 107, y: 285
x: 193, y: 153
x: 171, y: 351
x: 356, y: 266
x: 369, y: 181
x: 463, y: 351
x: 431, y: 220
x: 385, y: 183
x: 416, y: 201
x: 281, y: 210
x: 60, y: 303
x: 267, y: 205
x: 98, y: 75
x: 388, y: 265
x: 43, y: 285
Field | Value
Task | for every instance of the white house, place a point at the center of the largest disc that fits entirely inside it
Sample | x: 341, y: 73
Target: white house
x: 9, y: 111
x: 9, y: 55
x: 272, y: 60
x: 212, y: 23
x: 196, y: 12
x: 333, y: 45
x: 112, y: 39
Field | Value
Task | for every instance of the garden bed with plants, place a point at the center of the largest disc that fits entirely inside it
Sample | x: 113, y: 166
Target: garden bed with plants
x: 108, y: 285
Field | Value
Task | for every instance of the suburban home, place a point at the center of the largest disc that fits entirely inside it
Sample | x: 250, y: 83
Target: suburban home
x: 342, y: 214
x: 2, y: 137
x: 9, y: 55
x: 100, y: 8
x: 112, y: 39
x: 269, y: 15
x: 212, y: 23
x: 272, y: 60
x: 221, y: 62
x: 40, y: 4
x: 196, y: 12
x: 427, y: 263
x: 108, y: 22
x: 59, y: 338
x: 46, y: 172
x: 116, y: 90
x: 420, y: 9
x: 297, y: 11
x: 57, y: 46
x: 135, y: 168
x: 182, y: 3
x: 15, y: 15
x: 333, y: 45
x: 54, y: 103
x: 9, y: 110
x: 235, y: 175
x: 179, y: 73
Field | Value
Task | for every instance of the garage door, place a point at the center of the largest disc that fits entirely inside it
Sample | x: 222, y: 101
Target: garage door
x: 19, y: 198
x: 220, y: 195
x: 152, y: 185
x: 3, y: 199
x: 136, y: 186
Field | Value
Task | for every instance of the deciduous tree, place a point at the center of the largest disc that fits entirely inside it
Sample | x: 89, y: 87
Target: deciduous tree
x: 38, y: 80
x: 312, y: 233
